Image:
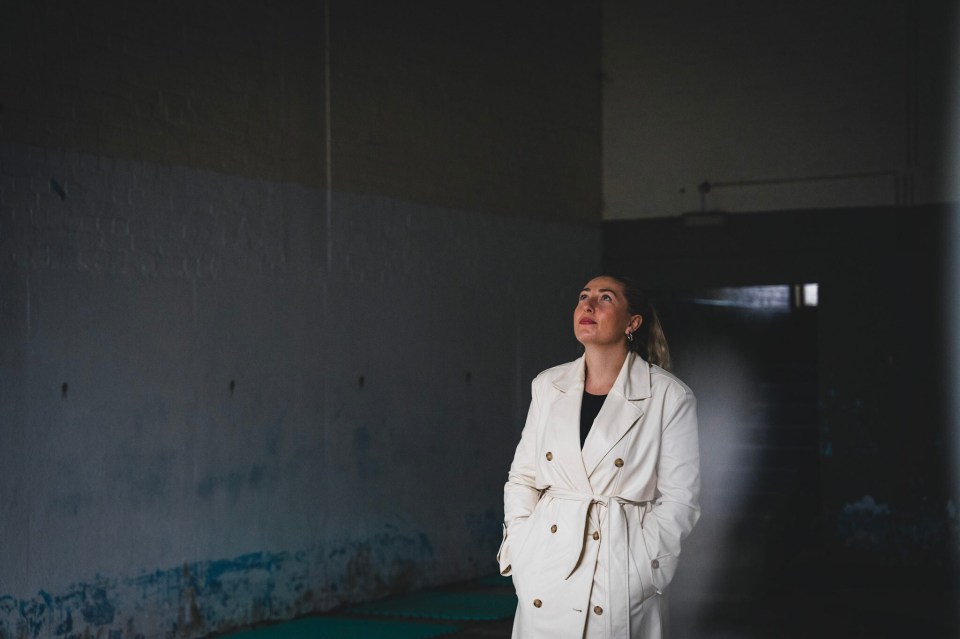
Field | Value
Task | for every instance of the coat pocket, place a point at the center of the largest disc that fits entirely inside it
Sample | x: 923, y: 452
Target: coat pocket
x: 511, y: 548
x: 503, y: 554
x: 642, y: 562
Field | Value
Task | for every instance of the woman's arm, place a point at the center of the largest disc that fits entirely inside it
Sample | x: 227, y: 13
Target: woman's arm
x: 677, y: 507
x: 520, y: 494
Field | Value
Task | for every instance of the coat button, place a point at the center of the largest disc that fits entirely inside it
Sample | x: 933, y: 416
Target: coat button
x: 596, y: 535
x: 549, y: 456
x: 598, y: 610
x: 655, y: 563
x: 537, y: 603
x: 553, y: 528
x: 618, y: 462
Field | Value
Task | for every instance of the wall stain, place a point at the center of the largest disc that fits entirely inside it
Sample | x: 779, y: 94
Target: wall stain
x: 875, y: 531
x: 97, y: 609
x: 208, y: 597
x: 189, y: 619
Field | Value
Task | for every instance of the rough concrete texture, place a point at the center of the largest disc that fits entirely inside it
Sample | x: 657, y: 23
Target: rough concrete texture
x: 225, y: 400
x: 273, y: 283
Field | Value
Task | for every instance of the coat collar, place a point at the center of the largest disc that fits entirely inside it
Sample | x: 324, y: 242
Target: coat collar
x: 632, y: 383
x: 621, y: 410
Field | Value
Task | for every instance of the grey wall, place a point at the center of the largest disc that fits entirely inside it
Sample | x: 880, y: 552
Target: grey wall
x: 273, y: 284
x: 778, y: 105
x: 827, y: 135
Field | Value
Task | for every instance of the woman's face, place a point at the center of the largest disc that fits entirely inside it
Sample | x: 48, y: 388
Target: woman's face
x: 602, y: 316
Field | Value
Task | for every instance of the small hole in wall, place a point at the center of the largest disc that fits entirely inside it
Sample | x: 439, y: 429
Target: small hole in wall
x: 233, y: 386
x: 360, y: 381
x: 58, y: 189
x: 64, y: 387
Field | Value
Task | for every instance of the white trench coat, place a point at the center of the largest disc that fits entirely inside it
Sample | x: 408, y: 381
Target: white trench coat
x: 592, y: 537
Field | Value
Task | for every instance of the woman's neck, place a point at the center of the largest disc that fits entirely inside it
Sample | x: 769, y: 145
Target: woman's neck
x: 601, y: 369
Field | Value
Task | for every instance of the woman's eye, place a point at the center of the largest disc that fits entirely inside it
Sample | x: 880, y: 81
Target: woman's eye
x: 606, y: 298
x: 583, y: 296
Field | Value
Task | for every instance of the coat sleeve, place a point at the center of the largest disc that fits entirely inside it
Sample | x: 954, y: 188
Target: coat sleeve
x: 677, y: 507
x: 520, y: 494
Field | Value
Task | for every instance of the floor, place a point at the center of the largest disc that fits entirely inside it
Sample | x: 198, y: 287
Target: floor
x: 481, y: 608
x: 873, y: 608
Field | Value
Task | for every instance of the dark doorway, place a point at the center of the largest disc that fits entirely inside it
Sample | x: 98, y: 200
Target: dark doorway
x: 750, y: 355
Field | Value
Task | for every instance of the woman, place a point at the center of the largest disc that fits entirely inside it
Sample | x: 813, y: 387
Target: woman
x: 604, y: 484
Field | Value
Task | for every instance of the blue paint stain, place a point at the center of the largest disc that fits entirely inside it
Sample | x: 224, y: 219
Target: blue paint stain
x: 867, y: 505
x: 210, y: 597
x: 216, y: 570
x: 66, y: 625
x: 875, y: 529
x: 35, y: 613
x: 98, y: 611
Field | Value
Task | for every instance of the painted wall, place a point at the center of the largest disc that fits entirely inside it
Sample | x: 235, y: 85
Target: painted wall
x: 273, y: 283
x: 776, y: 105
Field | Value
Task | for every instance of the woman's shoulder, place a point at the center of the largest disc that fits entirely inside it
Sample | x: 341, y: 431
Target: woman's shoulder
x: 557, y: 373
x: 663, y: 381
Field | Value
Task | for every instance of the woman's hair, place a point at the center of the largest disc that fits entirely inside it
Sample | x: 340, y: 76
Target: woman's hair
x: 648, y: 341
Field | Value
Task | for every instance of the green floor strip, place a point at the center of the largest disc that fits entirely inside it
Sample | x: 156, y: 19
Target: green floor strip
x: 466, y: 606
x: 340, y: 628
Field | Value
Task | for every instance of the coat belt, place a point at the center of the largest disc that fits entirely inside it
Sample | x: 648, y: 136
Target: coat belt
x: 615, y: 536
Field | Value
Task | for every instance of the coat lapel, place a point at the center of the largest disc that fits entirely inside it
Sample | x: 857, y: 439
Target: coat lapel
x: 564, y: 420
x: 621, y: 410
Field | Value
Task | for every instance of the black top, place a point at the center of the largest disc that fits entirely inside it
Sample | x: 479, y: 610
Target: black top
x: 589, y: 409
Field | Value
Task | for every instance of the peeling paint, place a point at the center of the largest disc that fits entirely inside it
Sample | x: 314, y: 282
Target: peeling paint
x: 97, y: 609
x: 201, y: 598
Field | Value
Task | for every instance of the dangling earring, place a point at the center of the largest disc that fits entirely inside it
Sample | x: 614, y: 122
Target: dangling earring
x: 629, y: 337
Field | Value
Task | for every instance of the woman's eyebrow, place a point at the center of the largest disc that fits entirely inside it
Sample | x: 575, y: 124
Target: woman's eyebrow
x: 601, y: 290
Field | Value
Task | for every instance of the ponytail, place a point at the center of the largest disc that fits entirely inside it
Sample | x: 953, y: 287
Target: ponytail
x: 649, y: 341
x: 657, y: 351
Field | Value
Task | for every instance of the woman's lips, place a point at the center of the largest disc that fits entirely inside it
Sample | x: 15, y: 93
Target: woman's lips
x: 587, y: 321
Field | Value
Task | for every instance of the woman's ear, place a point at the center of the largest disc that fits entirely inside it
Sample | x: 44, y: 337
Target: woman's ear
x: 635, y: 322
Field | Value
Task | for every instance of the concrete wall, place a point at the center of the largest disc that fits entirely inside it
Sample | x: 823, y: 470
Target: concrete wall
x: 777, y: 105
x: 273, y: 283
